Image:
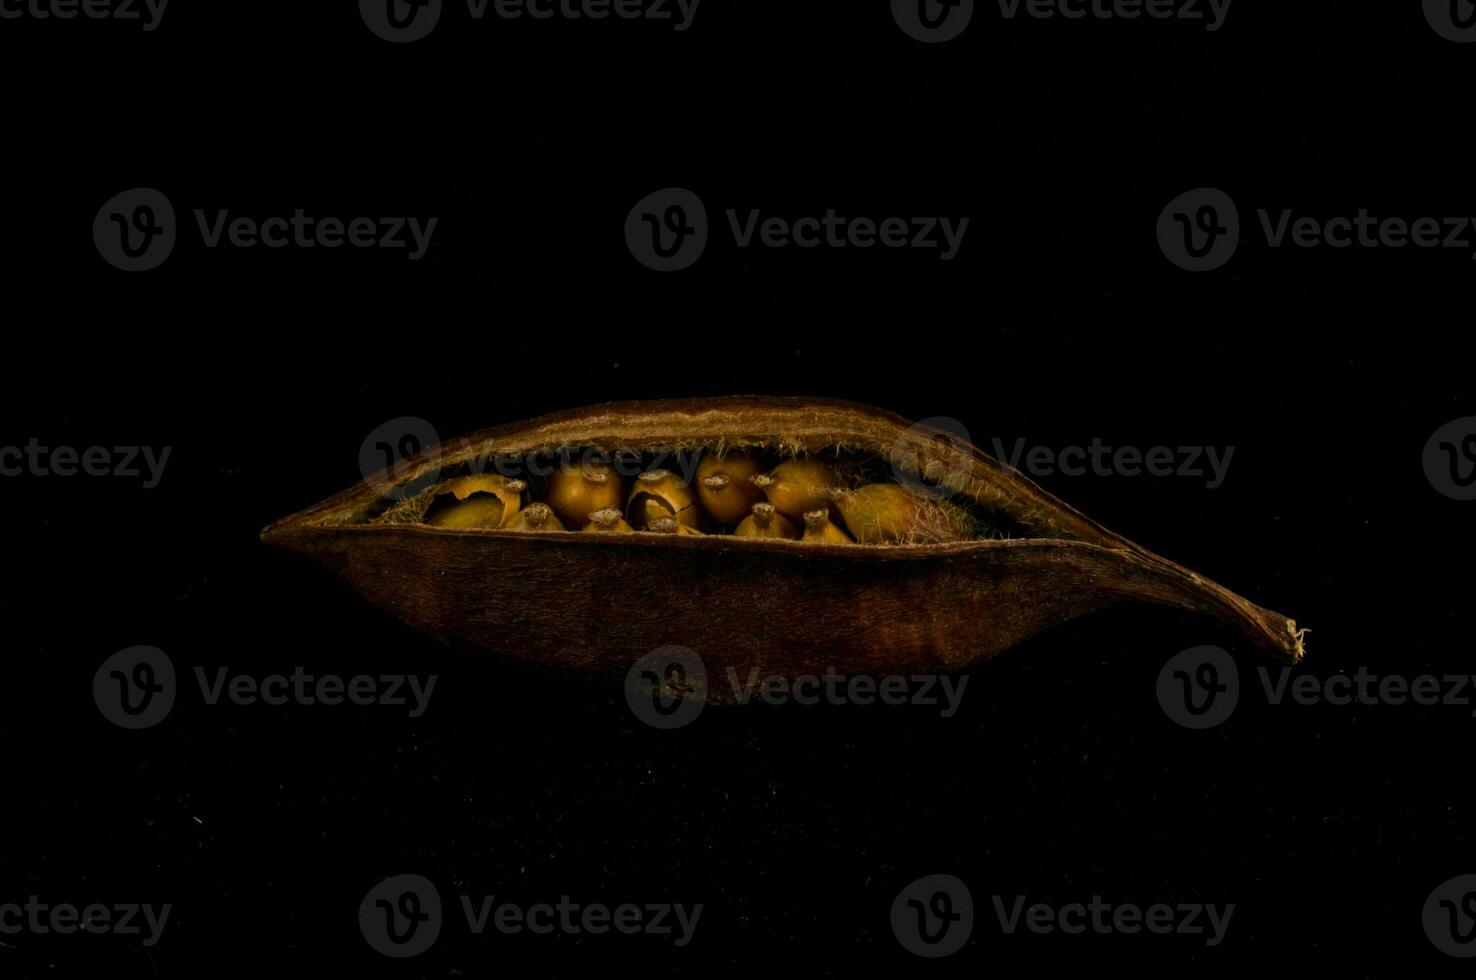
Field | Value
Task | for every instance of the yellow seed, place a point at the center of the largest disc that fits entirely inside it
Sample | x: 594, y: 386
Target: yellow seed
x: 536, y: 517
x: 819, y: 529
x: 799, y: 485
x: 658, y: 494
x: 724, y: 485
x: 766, y: 522
x: 607, y: 520
x: 670, y: 525
x: 578, y: 489
x: 886, y: 513
x: 481, y: 501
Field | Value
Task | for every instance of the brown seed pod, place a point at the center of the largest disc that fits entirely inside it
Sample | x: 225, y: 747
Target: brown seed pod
x: 578, y: 489
x: 725, y: 485
x: 819, y: 529
x: 799, y: 485
x: 536, y: 517
x: 658, y: 494
x: 607, y: 520
x: 481, y: 501
x: 670, y: 525
x: 886, y: 513
x: 766, y: 522
x: 747, y: 605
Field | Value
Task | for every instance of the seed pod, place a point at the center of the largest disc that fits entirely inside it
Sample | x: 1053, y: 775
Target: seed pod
x: 725, y: 485
x: 607, y: 520
x: 536, y: 517
x: 670, y: 525
x: 799, y: 485
x: 766, y: 522
x: 658, y: 494
x: 820, y: 530
x: 481, y: 501
x: 577, y: 490
x: 747, y: 605
x: 886, y: 513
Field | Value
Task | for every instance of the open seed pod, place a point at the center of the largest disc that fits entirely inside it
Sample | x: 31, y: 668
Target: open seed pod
x: 747, y: 604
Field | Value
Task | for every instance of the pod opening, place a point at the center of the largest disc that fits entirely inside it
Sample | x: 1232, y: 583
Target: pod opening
x: 867, y: 497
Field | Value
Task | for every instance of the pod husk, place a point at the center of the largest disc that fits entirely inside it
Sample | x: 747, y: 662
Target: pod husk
x: 594, y: 604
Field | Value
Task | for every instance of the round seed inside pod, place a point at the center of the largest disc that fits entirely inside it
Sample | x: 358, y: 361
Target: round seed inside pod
x: 886, y: 513
x: 819, y: 529
x: 607, y: 520
x: 766, y: 522
x: 578, y: 489
x: 658, y: 494
x: 725, y: 485
x: 536, y: 517
x: 799, y: 485
x: 481, y: 501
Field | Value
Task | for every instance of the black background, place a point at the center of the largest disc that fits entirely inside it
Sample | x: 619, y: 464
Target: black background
x: 1059, y: 322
